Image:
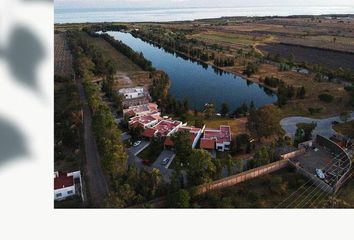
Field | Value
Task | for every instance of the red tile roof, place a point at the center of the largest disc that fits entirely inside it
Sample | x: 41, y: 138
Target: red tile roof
x: 221, y: 136
x: 63, y: 181
x: 207, y: 144
x: 164, y: 127
x: 149, y: 132
x: 168, y: 142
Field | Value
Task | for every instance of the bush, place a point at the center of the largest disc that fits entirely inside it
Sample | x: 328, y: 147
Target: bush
x: 315, y: 110
x: 272, y: 81
x: 251, y: 68
x: 324, y: 97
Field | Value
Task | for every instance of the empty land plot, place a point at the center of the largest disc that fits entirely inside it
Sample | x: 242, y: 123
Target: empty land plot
x: 62, y: 56
x: 238, y: 126
x: 328, y: 58
x: 344, y: 44
x: 347, y: 129
x: 226, y: 38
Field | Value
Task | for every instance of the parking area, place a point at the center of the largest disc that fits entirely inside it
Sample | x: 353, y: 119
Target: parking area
x: 137, y: 149
x: 163, y: 155
x: 317, y: 157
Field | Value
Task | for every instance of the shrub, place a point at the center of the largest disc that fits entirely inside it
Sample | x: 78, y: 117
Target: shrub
x: 324, y: 97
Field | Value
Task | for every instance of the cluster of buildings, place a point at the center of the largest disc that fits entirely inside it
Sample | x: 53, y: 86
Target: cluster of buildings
x: 148, y: 117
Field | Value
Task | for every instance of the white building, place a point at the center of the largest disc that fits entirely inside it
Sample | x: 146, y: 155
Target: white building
x: 64, y: 185
x: 131, y: 93
x: 216, y: 139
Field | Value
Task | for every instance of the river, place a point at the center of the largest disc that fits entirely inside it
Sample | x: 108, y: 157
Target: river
x: 197, y: 82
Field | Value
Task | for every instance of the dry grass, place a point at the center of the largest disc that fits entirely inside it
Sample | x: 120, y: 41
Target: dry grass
x: 238, y: 126
x: 346, y: 129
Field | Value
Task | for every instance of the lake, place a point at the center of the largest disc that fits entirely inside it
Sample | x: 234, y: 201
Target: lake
x: 197, y: 82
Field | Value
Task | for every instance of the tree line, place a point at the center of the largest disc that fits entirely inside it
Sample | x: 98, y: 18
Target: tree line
x: 127, y: 185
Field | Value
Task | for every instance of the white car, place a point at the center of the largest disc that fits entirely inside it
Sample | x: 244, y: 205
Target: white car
x: 137, y: 143
x: 320, y: 174
x: 165, y: 161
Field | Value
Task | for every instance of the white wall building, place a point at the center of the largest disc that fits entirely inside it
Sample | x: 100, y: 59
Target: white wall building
x: 130, y: 93
x: 64, y: 185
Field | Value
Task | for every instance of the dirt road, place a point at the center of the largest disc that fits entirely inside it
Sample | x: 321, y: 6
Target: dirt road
x: 97, y: 184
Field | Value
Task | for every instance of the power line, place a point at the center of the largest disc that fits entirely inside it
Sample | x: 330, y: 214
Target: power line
x: 309, y: 188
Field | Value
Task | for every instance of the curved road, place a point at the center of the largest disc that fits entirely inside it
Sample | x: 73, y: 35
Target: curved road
x: 324, y: 126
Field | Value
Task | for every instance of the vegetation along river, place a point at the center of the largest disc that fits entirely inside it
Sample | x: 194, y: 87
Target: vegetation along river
x: 198, y: 82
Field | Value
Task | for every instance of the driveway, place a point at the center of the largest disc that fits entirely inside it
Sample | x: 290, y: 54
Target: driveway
x: 324, y: 126
x: 125, y: 136
x: 137, y: 162
x: 164, y: 154
x: 136, y: 150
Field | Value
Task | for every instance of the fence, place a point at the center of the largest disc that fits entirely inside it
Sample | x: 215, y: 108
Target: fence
x: 293, y: 154
x: 242, y: 177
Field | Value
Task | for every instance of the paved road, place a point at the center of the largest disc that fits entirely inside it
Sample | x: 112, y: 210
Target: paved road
x: 138, y: 149
x: 97, y: 184
x: 164, y: 154
x: 133, y: 159
x: 324, y: 126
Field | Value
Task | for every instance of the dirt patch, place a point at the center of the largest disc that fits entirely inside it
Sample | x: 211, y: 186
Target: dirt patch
x: 328, y: 58
x: 62, y: 56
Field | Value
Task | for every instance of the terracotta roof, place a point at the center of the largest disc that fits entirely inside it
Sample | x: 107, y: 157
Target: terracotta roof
x: 221, y: 135
x: 207, y: 143
x: 149, y: 132
x: 168, y: 142
x: 63, y: 181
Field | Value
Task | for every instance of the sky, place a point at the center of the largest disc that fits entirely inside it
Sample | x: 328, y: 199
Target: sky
x: 198, y: 3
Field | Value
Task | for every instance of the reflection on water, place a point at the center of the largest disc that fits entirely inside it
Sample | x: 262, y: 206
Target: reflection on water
x: 198, y: 82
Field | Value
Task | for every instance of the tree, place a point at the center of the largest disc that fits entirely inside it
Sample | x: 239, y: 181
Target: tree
x: 224, y: 109
x: 183, y: 146
x: 264, y: 121
x: 261, y: 157
x: 251, y: 68
x: 300, y: 93
x: 135, y: 132
x: 229, y: 164
x: 344, y: 116
x: 209, y: 110
x: 201, y: 168
x: 199, y: 123
x: 180, y: 199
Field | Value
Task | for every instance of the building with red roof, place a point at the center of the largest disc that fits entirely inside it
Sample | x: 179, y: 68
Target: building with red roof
x: 65, y: 185
x: 145, y: 121
x: 141, y: 110
x: 194, y: 134
x: 163, y: 128
x: 218, y: 139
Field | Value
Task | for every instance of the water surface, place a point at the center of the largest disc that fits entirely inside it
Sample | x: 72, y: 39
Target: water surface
x: 199, y: 83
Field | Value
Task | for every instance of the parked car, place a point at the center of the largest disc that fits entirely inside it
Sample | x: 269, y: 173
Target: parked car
x: 146, y: 162
x: 320, y: 174
x: 137, y: 143
x: 165, y: 161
